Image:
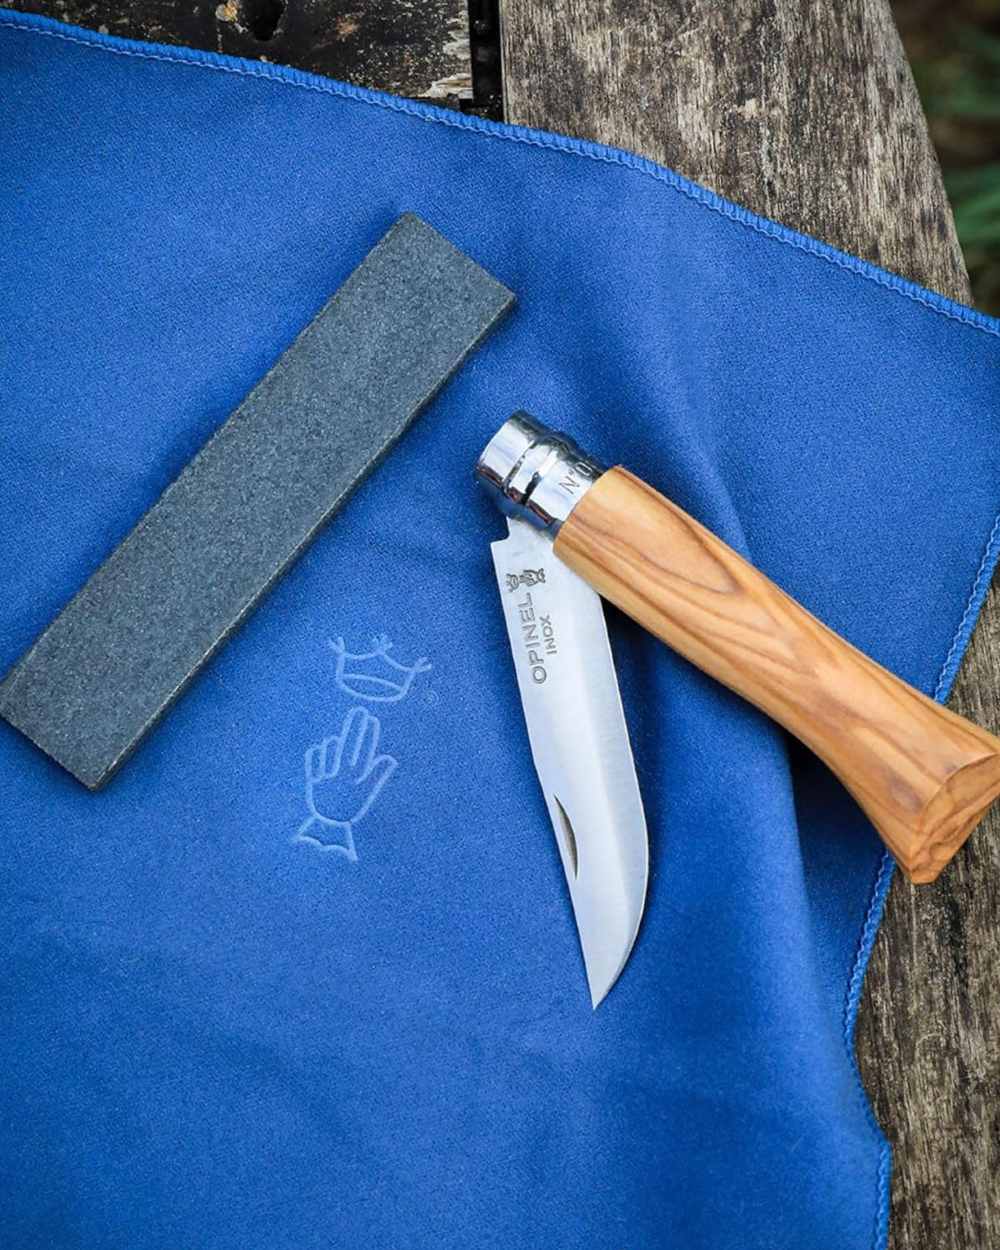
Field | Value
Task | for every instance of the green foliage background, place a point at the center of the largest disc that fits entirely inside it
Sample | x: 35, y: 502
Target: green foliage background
x: 954, y: 49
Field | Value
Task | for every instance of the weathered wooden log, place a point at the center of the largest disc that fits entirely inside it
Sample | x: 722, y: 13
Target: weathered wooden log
x: 808, y: 113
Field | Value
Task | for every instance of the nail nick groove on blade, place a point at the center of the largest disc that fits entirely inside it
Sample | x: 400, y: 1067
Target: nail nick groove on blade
x: 580, y: 745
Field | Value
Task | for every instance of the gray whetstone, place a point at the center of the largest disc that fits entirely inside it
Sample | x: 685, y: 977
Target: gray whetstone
x: 198, y: 562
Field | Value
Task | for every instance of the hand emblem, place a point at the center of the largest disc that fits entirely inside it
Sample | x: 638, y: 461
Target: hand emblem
x: 344, y: 776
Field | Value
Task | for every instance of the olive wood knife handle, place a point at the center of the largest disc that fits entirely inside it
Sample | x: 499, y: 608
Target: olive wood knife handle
x: 923, y: 775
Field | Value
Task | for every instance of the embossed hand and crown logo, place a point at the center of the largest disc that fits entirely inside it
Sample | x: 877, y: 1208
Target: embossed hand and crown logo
x: 374, y: 675
x: 346, y: 772
x: 527, y: 577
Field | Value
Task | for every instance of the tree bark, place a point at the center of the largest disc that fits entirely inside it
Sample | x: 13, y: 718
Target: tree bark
x: 808, y: 114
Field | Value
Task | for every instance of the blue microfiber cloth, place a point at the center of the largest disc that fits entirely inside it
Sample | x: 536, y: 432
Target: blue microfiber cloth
x: 259, y: 998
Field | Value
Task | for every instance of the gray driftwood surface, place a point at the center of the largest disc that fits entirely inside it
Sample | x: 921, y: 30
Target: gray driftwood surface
x: 807, y: 113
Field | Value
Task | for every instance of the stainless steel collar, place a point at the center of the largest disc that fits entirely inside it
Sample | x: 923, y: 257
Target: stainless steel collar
x: 537, y: 474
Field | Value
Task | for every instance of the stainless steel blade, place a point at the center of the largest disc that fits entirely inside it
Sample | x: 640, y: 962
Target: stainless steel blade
x: 580, y: 745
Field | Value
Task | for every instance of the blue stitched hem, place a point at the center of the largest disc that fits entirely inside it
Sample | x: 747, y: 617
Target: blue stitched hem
x: 869, y: 932
x: 38, y: 25
x: 939, y: 304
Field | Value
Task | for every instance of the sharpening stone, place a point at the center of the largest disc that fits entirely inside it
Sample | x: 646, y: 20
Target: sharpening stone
x: 200, y: 560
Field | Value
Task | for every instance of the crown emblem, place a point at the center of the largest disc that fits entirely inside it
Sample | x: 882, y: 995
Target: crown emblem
x: 527, y: 577
x: 375, y: 675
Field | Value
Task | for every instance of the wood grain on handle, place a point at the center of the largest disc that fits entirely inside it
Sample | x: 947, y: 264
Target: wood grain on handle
x: 923, y: 775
